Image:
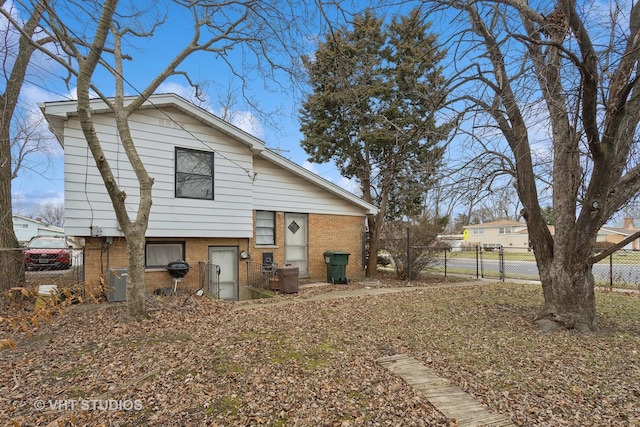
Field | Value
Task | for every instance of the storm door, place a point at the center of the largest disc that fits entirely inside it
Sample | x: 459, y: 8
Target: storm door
x: 296, y: 241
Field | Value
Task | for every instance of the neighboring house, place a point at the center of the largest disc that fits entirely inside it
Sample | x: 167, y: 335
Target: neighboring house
x: 514, y: 234
x: 494, y: 234
x: 219, y: 196
x: 617, y: 234
x: 28, y: 228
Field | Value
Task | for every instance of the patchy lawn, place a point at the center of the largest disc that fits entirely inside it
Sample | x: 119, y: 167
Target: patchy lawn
x: 311, y: 363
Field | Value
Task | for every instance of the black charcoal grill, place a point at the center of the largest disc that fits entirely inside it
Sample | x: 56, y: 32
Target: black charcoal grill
x: 177, y: 270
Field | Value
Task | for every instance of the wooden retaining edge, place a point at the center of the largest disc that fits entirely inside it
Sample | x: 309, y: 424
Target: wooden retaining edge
x: 447, y: 398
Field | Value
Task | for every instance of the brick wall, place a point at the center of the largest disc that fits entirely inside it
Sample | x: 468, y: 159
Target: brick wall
x: 335, y: 233
x: 99, y: 257
x: 326, y: 232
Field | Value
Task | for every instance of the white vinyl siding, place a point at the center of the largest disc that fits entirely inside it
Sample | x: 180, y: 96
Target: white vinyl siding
x: 156, y: 137
x: 278, y: 189
x: 246, y: 176
x: 27, y: 228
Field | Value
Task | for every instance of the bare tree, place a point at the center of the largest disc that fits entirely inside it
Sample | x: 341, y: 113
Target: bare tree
x: 28, y: 139
x: 18, y: 48
x: 497, y: 204
x: 258, y: 28
x: 574, y: 68
x: 422, y: 233
x: 51, y: 213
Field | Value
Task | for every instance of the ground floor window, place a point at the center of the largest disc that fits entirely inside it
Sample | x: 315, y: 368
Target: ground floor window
x: 159, y: 254
x: 265, y: 228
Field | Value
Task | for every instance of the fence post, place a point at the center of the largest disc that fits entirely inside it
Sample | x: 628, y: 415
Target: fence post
x: 408, y: 258
x: 477, y: 261
x: 445, y: 263
x: 610, y: 272
x: 501, y: 262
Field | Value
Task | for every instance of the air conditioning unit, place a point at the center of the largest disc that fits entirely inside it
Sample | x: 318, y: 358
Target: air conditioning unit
x: 117, y: 281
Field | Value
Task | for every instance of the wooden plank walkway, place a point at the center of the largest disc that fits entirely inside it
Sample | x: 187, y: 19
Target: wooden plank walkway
x: 447, y: 398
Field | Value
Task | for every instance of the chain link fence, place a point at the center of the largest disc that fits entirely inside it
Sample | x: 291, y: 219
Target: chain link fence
x: 62, y: 270
x: 621, y: 269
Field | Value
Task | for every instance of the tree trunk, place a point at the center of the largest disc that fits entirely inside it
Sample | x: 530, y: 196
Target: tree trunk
x: 569, y: 297
x: 374, y: 245
x: 136, y: 305
x: 11, y: 258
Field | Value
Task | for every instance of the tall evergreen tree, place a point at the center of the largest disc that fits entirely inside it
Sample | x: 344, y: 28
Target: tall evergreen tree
x: 376, y: 91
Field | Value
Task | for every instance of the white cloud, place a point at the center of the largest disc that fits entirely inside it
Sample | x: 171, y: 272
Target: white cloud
x: 32, y: 95
x: 248, y: 123
x: 185, y: 91
x: 29, y: 202
x: 244, y: 120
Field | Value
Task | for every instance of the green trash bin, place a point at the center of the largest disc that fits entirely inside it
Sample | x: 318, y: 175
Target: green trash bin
x: 337, y: 262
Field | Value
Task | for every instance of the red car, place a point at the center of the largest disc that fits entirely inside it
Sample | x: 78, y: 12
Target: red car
x: 47, y: 253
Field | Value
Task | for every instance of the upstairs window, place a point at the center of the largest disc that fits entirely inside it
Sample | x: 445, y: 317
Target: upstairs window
x: 265, y: 228
x: 504, y: 230
x: 194, y: 174
x: 478, y: 231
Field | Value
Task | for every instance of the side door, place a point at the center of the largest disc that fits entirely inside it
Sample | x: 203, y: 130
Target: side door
x: 296, y: 241
x: 223, y: 282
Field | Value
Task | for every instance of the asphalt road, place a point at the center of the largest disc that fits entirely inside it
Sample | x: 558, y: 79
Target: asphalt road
x: 625, y: 273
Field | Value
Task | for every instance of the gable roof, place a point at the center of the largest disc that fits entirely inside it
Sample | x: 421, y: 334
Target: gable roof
x: 57, y: 113
x: 619, y: 230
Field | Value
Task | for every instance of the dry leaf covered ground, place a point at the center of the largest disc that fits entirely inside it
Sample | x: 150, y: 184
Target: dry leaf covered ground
x: 312, y: 362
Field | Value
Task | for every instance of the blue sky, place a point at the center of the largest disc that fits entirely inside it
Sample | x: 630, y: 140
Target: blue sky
x: 43, y: 182
x: 279, y: 132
